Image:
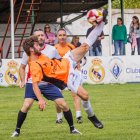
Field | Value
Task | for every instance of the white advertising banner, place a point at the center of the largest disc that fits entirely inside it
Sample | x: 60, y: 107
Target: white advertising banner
x: 119, y: 69
x: 97, y: 70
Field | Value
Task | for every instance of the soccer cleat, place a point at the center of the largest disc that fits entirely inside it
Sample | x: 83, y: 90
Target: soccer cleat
x: 96, y: 122
x: 75, y: 131
x: 15, y: 134
x: 59, y: 121
x: 79, y: 120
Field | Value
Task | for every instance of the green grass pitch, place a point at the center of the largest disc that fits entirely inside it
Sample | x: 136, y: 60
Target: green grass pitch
x: 118, y: 106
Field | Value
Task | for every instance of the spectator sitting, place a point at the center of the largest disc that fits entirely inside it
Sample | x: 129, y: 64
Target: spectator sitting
x: 119, y: 36
x: 50, y: 36
x: 96, y: 49
x: 75, y: 41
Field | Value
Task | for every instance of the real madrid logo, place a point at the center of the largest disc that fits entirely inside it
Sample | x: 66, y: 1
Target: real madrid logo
x: 11, y: 74
x: 96, y: 72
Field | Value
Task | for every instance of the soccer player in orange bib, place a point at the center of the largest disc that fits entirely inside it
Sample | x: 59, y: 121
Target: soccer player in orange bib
x: 61, y: 72
x: 63, y: 47
x: 48, y: 90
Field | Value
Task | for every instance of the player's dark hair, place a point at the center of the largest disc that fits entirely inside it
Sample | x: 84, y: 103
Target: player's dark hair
x: 29, y: 43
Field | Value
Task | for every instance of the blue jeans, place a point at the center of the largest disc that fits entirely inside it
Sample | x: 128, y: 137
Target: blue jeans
x: 138, y: 45
x: 95, y: 52
x: 119, y: 47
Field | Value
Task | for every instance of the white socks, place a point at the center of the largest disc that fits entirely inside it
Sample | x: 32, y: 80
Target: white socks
x: 59, y: 115
x: 88, y: 108
x: 78, y: 114
x: 94, y: 34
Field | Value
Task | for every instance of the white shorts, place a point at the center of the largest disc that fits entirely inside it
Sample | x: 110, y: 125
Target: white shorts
x: 75, y: 76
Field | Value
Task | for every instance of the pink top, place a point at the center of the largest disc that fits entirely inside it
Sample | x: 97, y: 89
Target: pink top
x: 134, y: 41
x: 50, y: 38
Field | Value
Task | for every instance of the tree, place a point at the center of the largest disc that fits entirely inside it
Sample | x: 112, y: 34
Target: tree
x: 128, y: 4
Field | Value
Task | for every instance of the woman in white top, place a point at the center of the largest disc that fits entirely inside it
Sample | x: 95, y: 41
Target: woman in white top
x: 135, y: 33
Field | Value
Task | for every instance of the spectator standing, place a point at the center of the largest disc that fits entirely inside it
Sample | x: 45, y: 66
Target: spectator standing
x: 96, y: 49
x: 119, y: 36
x: 0, y: 62
x: 134, y: 33
x: 50, y: 36
x: 75, y: 41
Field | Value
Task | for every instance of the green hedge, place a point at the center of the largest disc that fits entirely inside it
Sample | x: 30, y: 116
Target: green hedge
x: 128, y: 4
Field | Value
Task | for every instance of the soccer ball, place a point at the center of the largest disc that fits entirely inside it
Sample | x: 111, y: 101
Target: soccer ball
x: 83, y: 61
x: 95, y: 15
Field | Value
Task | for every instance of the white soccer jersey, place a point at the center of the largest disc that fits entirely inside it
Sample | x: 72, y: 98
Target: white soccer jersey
x: 47, y: 50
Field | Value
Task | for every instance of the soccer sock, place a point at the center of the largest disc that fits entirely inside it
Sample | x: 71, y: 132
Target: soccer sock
x: 20, y: 120
x: 69, y: 118
x: 88, y: 108
x: 59, y: 116
x: 94, y: 34
x: 78, y: 114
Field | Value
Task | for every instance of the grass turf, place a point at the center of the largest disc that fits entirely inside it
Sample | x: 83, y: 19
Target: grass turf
x: 118, y: 106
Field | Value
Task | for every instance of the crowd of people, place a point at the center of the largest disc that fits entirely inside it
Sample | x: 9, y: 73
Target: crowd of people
x: 95, y: 50
x: 119, y: 36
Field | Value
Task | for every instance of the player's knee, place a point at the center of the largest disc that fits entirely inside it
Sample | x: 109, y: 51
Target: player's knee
x: 64, y: 106
x: 76, y: 98
x: 84, y: 96
x: 26, y: 106
x: 74, y: 95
